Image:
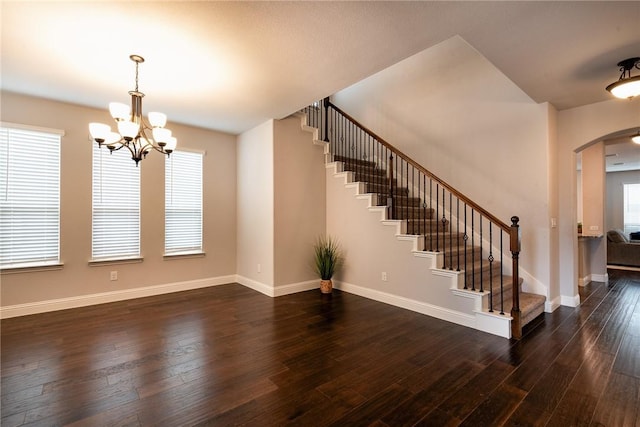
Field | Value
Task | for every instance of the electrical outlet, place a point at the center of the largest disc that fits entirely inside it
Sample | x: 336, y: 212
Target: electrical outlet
x: 384, y: 276
x: 594, y: 228
x: 259, y: 268
x: 113, y: 275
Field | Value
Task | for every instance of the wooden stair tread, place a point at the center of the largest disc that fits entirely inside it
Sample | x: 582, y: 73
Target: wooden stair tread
x: 437, y: 235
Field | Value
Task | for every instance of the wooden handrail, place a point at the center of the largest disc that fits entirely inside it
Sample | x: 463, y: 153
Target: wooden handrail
x: 419, y: 167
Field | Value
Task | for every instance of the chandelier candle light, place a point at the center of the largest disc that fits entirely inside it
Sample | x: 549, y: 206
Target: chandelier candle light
x: 133, y: 128
x: 626, y: 86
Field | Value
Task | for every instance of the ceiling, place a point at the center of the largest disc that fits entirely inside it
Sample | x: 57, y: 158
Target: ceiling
x: 621, y: 154
x: 232, y: 65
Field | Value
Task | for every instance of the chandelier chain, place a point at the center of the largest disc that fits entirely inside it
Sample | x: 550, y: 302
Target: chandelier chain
x: 137, y: 63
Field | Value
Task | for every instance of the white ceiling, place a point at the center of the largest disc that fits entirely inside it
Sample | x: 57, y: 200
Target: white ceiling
x: 621, y: 155
x: 232, y: 65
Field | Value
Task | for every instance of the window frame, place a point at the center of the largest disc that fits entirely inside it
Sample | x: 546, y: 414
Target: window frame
x: 53, y: 260
x: 170, y: 172
x: 126, y: 166
x: 629, y: 227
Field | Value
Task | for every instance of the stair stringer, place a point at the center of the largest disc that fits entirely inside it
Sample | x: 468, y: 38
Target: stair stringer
x: 414, y: 282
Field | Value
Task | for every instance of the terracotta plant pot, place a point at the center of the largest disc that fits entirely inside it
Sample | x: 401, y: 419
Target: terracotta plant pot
x: 326, y: 286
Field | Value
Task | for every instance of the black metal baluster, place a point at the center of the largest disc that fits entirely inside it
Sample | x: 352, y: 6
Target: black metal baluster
x: 437, y: 217
x: 449, y: 228
x: 481, y: 243
x: 458, y: 232
x: 390, y: 203
x: 408, y: 192
x: 431, y: 209
x: 444, y: 223
x: 490, y: 267
x: 466, y: 240
x: 473, y: 252
x: 501, y: 275
x: 424, y: 210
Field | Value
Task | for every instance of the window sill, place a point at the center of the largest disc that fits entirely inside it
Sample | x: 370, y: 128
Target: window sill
x: 112, y: 261
x: 185, y: 254
x: 32, y: 267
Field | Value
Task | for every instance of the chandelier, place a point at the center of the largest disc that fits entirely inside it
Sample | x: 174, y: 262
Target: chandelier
x: 133, y: 129
x: 626, y: 86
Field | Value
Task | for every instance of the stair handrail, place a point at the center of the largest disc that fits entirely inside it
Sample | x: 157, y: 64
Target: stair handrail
x: 460, y: 195
x: 513, y: 230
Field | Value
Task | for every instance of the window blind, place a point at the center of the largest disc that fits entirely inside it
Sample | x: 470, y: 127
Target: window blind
x: 116, y: 205
x: 29, y: 197
x: 183, y: 202
x: 631, y: 208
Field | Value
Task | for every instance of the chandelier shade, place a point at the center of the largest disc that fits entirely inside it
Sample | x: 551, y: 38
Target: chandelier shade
x: 134, y: 132
x: 626, y: 86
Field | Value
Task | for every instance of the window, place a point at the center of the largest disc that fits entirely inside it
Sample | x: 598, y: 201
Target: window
x: 183, y: 203
x: 631, y: 208
x: 29, y: 197
x: 116, y: 205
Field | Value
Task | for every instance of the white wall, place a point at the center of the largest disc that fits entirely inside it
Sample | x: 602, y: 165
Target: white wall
x: 256, y: 205
x: 77, y: 279
x: 452, y: 111
x: 577, y: 128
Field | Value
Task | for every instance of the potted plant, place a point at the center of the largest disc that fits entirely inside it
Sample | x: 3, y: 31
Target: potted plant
x: 327, y: 259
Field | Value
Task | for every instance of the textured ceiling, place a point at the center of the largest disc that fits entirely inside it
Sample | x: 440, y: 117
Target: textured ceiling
x: 231, y: 65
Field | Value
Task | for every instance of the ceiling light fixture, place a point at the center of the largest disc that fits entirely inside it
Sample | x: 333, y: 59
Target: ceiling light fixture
x: 133, y: 128
x: 636, y: 138
x: 626, y: 86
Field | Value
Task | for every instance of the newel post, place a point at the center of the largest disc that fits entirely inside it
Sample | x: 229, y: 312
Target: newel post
x: 325, y: 104
x: 514, y: 234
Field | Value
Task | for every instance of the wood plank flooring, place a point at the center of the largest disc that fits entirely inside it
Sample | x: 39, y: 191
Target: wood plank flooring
x: 227, y: 356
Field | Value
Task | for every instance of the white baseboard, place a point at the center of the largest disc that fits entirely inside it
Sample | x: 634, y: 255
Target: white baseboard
x: 147, y: 291
x: 263, y: 288
x: 493, y: 323
x: 569, y: 301
x: 584, y: 281
x: 277, y: 291
x: 485, y: 322
x: 106, y: 297
x: 293, y: 288
x: 409, y: 304
x: 600, y: 277
x: 550, y: 306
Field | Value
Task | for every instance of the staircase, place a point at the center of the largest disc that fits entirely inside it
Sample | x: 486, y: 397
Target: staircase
x: 466, y: 239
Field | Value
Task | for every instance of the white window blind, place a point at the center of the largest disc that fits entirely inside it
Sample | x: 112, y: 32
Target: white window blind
x: 116, y: 205
x: 29, y: 197
x: 183, y: 202
x: 631, y: 208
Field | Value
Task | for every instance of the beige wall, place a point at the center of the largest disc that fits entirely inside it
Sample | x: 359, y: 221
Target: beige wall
x: 554, y: 202
x: 255, y: 205
x: 281, y: 206
x: 577, y: 128
x: 476, y: 130
x: 593, y: 183
x: 593, y: 194
x: 77, y: 278
x: 299, y: 177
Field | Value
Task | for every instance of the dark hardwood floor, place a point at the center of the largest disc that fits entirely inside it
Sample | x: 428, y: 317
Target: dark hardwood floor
x: 230, y: 356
